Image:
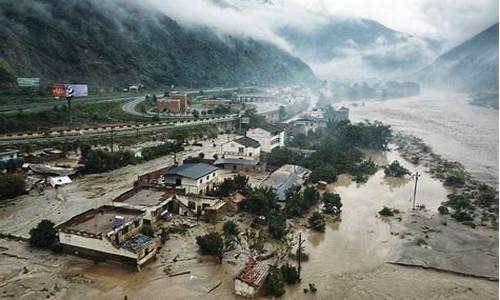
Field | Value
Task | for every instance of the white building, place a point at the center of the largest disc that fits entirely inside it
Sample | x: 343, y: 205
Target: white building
x: 154, y: 201
x: 108, y: 232
x: 269, y: 137
x: 194, y: 178
x: 307, y: 124
x: 286, y: 177
x: 243, y: 147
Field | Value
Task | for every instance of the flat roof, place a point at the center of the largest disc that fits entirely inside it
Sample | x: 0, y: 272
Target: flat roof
x: 98, y: 221
x: 144, y: 196
x: 193, y: 171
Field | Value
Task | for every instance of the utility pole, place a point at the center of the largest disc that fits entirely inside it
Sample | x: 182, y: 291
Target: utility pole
x: 415, y: 176
x: 70, y: 117
x: 112, y: 141
x: 299, y: 253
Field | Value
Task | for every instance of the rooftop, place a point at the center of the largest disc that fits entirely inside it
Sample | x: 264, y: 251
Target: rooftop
x: 144, y: 196
x: 193, y: 171
x: 98, y: 221
x: 254, y: 273
x: 236, y: 161
x: 285, y: 178
x: 247, y: 142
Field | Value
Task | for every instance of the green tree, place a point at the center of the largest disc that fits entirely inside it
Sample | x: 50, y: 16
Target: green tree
x: 277, y: 225
x: 11, y: 185
x: 214, y: 244
x: 282, y: 112
x: 396, y: 170
x: 230, y: 229
x: 290, y: 273
x: 196, y: 114
x: 454, y: 181
x: 43, y: 235
x: 260, y: 200
x: 274, y: 284
x: 311, y: 196
x: 317, y: 221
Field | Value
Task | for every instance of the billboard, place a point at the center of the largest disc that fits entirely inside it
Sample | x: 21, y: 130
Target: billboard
x: 71, y: 90
x: 28, y: 81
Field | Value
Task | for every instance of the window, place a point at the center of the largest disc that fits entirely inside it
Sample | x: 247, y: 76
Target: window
x: 178, y: 181
x: 201, y: 180
x: 213, y: 175
x: 208, y: 177
x: 136, y: 223
x: 241, y: 150
x: 250, y: 154
x: 191, y: 204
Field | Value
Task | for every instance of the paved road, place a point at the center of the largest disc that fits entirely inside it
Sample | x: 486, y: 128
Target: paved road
x: 90, y: 133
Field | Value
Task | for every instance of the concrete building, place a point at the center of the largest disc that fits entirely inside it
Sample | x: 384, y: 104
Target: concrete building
x: 197, y: 178
x: 244, y: 147
x: 286, y: 177
x: 250, y: 278
x: 342, y: 114
x: 239, y: 164
x: 153, y: 200
x: 108, y: 232
x: 191, y: 205
x: 269, y: 137
x: 306, y: 124
x: 8, y: 156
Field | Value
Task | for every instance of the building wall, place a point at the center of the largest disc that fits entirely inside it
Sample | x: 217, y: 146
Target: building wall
x: 267, y: 142
x: 243, y: 289
x: 231, y: 149
x: 100, y: 245
x: 193, y: 186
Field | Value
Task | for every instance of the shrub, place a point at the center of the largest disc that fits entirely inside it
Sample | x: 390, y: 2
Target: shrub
x: 454, y: 181
x: 332, y: 203
x: 396, y: 170
x: 214, y: 244
x: 230, y: 228
x: 11, y: 185
x: 290, y: 273
x: 386, y: 212
x: 277, y: 226
x: 43, y: 235
x: 443, y: 210
x: 274, y: 284
x: 317, y: 221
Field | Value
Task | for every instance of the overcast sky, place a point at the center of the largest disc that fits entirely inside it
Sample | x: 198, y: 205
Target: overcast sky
x: 451, y: 21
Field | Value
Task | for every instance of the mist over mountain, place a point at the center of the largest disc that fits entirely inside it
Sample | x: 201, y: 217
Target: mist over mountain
x: 353, y: 48
x: 471, y: 66
x: 114, y: 43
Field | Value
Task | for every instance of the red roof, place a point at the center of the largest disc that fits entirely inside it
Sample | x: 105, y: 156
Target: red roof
x: 254, y: 273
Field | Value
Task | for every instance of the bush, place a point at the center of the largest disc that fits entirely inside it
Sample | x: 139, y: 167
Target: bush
x: 214, y: 244
x: 458, y: 202
x: 98, y: 161
x: 274, y: 284
x: 317, y: 221
x: 443, y: 210
x: 454, y: 181
x: 462, y: 216
x: 277, y: 226
x: 332, y: 203
x: 150, y: 153
x: 11, y: 185
x: 230, y: 229
x: 43, y: 235
x: 386, y: 212
x: 396, y: 170
x: 290, y: 273
x: 260, y: 201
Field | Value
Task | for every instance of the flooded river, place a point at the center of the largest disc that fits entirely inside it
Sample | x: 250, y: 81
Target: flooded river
x: 446, y: 122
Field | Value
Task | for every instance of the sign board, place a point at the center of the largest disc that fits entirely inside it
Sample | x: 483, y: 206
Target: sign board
x: 245, y: 120
x: 71, y: 90
x: 28, y: 81
x: 79, y: 90
x: 58, y: 90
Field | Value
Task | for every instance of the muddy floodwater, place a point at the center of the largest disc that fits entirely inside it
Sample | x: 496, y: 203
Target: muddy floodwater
x: 348, y: 261
x: 446, y: 122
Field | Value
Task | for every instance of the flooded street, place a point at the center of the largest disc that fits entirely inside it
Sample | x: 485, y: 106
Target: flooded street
x: 446, y: 122
x: 348, y: 261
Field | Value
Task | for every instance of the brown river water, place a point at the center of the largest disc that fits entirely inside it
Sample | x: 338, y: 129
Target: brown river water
x: 446, y: 122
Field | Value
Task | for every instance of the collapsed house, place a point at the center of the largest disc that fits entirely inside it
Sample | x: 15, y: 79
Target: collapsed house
x: 108, y: 232
x: 250, y: 278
